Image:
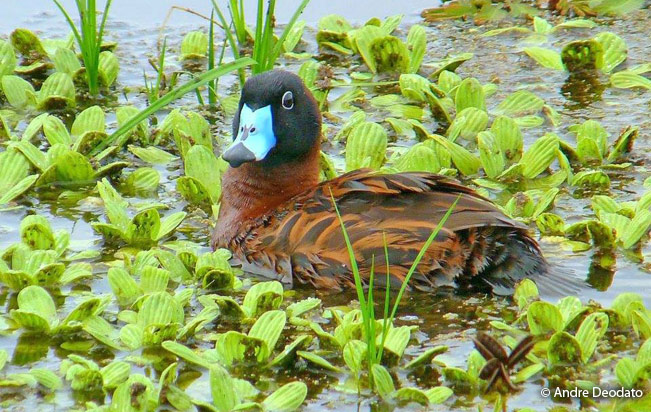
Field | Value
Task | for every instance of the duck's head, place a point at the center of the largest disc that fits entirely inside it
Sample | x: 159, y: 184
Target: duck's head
x: 277, y: 121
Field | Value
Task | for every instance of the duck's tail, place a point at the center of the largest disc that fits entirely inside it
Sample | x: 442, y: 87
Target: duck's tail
x: 521, y: 258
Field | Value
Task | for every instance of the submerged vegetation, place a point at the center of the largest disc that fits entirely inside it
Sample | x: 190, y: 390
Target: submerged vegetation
x: 111, y: 299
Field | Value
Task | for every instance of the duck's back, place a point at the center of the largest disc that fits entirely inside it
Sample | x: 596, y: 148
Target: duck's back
x: 302, y: 241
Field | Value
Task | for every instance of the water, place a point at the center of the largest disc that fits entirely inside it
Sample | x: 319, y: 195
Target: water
x: 134, y: 25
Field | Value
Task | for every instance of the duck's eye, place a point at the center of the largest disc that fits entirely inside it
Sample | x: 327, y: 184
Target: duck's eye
x: 288, y: 100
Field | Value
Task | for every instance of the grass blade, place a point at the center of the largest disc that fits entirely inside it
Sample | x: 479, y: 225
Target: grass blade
x: 178, y: 92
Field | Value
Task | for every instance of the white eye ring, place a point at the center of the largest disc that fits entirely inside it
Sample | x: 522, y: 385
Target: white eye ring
x: 288, y: 100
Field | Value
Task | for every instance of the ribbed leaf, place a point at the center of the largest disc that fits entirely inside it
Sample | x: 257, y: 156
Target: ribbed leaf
x: 7, y: 58
x: 201, y: 164
x: 194, y: 45
x: 627, y: 79
x: 170, y: 223
x: 66, y: 61
x: 109, y: 67
x: 318, y: 360
x: 563, y: 348
x: 545, y: 57
x: 18, y: 91
x: 412, y: 395
x: 419, y: 158
x: 160, y: 309
x: 466, y: 162
x: 143, y: 180
x: 46, y: 378
x: 467, y: 124
x: 58, y: 91
x: 288, y: 397
x: 470, y: 94
x: 382, y: 382
x: 92, y: 119
x: 396, y: 340
x: 490, y: 154
x: 591, y: 330
x: 263, y: 296
x: 302, y: 306
x: 416, y: 42
x: 268, y: 329
x: 508, y: 137
x: 364, y: 37
x: 224, y: 395
x: 439, y: 394
x: 55, y: 131
x: 520, y: 103
x: 354, y: 353
x: 543, y: 317
x: 187, y: 354
x: 614, y: 51
x: 539, y: 156
x: 36, y: 310
x: 152, y: 154
x: 115, y: 373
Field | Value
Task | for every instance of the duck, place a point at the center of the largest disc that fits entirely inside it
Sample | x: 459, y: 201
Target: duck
x: 280, y: 222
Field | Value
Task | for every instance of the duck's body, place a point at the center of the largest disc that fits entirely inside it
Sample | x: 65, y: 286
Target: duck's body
x: 280, y: 222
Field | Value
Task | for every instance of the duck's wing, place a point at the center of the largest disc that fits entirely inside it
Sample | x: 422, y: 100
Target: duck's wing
x: 304, y: 241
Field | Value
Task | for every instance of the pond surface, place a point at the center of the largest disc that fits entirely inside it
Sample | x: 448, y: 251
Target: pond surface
x: 442, y: 318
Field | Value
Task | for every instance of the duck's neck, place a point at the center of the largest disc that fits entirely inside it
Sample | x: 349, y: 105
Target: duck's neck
x: 253, y: 190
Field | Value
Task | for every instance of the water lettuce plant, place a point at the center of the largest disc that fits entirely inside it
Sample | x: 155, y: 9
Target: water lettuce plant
x: 144, y: 229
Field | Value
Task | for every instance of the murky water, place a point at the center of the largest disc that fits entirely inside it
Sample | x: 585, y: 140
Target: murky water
x: 498, y: 59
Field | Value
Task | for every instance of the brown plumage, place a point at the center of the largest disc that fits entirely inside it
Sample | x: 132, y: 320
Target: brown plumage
x: 281, y: 223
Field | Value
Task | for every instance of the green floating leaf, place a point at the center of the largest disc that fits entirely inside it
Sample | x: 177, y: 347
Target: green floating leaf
x: 263, y: 296
x: 366, y: 146
x: 194, y: 45
x: 56, y: 132
x: 563, y: 349
x: 582, y: 55
x: 543, y: 317
x: 520, y: 103
x: 57, y: 92
x: 143, y: 180
x: 318, y: 360
x: 36, y: 232
x: 419, y: 158
x: 508, y: 137
x: 18, y: 91
x: 627, y: 80
x: 27, y: 44
x: 36, y: 310
x: 224, y: 395
x: 467, y: 163
x: 545, y: 57
x: 268, y: 329
x: 411, y: 395
x: 490, y: 154
x: 470, y: 94
x: 354, y: 354
x: 539, y: 156
x: 416, y: 43
x: 109, y: 67
x: 468, y: 123
x: 66, y: 61
x: 288, y: 397
x: 204, y: 172
x: 614, y: 51
x: 7, y: 59
x: 152, y: 154
x: 382, y: 381
x: 591, y: 330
